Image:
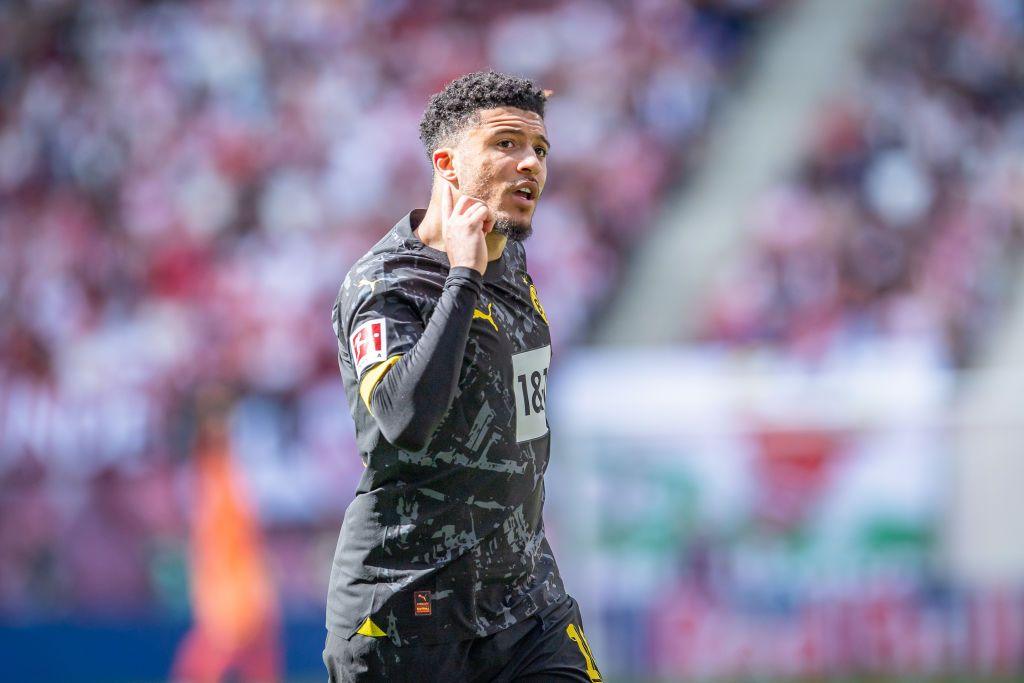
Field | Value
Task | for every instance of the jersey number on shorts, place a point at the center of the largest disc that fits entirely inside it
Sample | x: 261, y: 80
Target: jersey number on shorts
x: 531, y: 390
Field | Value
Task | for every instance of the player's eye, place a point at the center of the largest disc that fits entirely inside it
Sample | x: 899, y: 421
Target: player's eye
x: 541, y: 152
x: 506, y: 144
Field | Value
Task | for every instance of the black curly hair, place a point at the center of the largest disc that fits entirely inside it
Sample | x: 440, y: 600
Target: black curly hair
x: 450, y: 111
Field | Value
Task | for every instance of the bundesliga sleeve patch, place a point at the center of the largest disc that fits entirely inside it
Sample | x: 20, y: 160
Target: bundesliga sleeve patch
x: 369, y: 344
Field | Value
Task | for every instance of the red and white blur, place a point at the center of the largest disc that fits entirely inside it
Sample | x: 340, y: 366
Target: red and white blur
x: 780, y: 251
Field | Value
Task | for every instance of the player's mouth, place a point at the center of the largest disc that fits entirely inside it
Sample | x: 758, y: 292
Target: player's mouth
x: 525, y: 193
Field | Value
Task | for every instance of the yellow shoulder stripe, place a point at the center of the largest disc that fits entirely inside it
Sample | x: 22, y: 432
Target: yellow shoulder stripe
x: 577, y: 636
x: 370, y: 629
x: 373, y: 377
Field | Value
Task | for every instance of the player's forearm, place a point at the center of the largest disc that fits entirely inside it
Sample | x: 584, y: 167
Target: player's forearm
x: 415, y: 393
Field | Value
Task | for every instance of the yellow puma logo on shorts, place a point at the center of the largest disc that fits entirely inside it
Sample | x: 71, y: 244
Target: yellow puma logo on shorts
x: 488, y: 316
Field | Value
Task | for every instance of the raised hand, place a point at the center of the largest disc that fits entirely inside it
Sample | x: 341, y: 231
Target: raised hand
x: 465, y: 222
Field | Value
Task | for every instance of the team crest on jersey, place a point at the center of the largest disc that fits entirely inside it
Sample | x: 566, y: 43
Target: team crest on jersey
x: 536, y: 304
x: 369, y: 344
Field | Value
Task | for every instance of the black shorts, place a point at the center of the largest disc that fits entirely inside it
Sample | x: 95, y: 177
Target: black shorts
x: 549, y: 646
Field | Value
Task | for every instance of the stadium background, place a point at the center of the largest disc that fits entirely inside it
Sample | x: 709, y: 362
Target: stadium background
x: 779, y: 252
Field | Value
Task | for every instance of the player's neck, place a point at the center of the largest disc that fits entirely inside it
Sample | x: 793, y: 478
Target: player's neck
x: 495, y: 245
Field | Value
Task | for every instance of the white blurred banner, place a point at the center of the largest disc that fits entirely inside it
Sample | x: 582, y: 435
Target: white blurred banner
x: 745, y: 514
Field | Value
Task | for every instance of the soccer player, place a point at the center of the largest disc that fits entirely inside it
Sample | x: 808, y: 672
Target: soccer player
x: 442, y: 570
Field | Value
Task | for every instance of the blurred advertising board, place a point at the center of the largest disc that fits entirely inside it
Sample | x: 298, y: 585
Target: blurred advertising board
x: 745, y: 515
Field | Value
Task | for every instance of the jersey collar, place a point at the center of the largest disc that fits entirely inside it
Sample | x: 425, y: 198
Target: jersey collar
x: 406, y: 226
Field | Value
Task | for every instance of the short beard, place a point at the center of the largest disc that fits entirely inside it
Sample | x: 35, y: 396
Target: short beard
x: 516, y: 231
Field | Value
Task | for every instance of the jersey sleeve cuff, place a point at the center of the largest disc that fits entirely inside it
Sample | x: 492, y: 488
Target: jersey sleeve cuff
x: 464, y: 275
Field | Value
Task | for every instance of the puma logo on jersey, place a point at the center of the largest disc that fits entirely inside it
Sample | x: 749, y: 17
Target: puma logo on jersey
x: 371, y: 283
x: 488, y: 316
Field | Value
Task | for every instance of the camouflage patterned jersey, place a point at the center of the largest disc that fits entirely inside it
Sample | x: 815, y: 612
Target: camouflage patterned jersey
x: 444, y: 541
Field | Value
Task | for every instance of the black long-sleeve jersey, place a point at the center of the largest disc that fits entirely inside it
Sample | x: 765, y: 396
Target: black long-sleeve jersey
x: 446, y: 377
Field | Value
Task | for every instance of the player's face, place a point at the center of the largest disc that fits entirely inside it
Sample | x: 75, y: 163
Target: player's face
x: 504, y: 163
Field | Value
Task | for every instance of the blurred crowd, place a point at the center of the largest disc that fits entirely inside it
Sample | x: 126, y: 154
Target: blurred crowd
x: 905, y: 217
x: 184, y: 185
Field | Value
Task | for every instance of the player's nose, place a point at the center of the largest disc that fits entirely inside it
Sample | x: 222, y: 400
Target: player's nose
x: 530, y: 163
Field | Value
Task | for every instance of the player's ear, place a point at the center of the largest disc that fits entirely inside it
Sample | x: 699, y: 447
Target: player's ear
x: 444, y: 164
